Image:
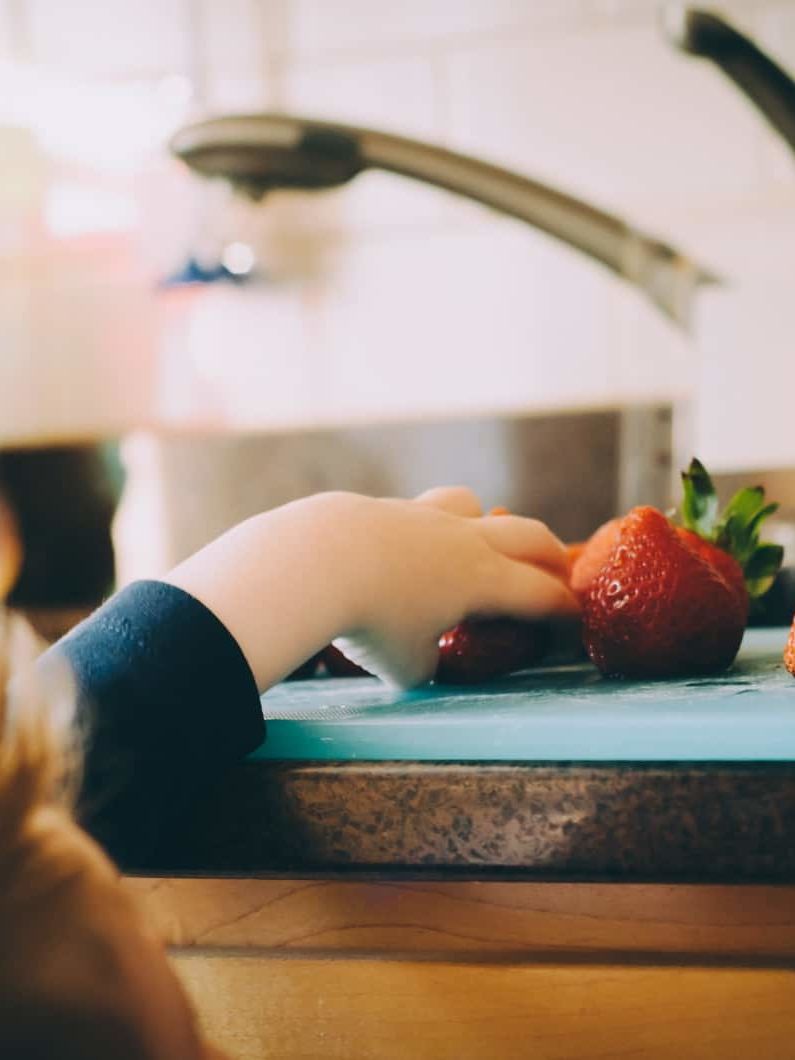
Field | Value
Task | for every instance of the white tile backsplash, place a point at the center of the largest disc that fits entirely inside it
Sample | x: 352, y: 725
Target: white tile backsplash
x: 231, y: 55
x: 395, y: 94
x: 231, y: 34
x: 111, y: 37
x: 490, y: 317
x: 7, y: 42
x: 625, y: 10
x: 391, y: 299
x: 747, y: 353
x: 235, y: 93
x: 615, y: 116
x: 321, y: 26
x: 774, y: 26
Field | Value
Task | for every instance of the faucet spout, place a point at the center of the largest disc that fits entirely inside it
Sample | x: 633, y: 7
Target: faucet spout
x: 260, y: 152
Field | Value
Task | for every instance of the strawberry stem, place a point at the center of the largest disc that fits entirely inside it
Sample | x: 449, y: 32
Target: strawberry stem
x: 700, y: 500
x: 735, y: 529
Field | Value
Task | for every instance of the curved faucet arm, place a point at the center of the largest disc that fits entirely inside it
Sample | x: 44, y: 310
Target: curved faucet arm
x: 264, y: 151
x: 762, y: 80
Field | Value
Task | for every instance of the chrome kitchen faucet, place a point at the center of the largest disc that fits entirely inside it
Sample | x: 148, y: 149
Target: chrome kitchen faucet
x: 258, y: 153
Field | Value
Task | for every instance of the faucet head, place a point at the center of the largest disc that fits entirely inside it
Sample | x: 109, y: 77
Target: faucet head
x: 259, y: 153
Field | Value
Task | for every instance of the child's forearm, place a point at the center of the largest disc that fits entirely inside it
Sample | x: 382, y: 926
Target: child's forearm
x: 284, y: 583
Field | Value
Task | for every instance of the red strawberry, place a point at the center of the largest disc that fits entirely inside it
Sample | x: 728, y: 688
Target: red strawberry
x: 726, y: 565
x: 789, y: 652
x: 657, y: 608
x: 592, y: 556
x: 671, y: 599
x: 481, y: 649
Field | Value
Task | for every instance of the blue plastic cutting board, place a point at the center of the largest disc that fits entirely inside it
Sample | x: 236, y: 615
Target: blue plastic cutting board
x: 557, y: 714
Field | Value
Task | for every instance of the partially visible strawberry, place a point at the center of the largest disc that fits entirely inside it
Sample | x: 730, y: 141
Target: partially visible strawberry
x: 593, y: 556
x: 481, y: 649
x: 671, y: 600
x: 657, y: 608
x: 789, y: 652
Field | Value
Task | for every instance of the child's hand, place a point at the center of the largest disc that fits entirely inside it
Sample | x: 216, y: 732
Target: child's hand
x: 385, y: 577
x: 426, y: 564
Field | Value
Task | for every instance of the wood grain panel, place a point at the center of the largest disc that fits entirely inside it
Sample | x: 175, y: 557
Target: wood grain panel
x: 299, y: 1009
x: 298, y: 916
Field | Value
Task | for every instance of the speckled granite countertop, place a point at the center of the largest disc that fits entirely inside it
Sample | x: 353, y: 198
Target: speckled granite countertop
x: 701, y: 786
x: 660, y: 822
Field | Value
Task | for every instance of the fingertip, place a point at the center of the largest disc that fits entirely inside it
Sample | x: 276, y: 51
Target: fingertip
x: 530, y: 540
x: 530, y: 592
x: 457, y: 500
x: 570, y: 605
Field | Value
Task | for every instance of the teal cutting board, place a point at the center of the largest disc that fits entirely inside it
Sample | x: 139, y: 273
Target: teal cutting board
x: 559, y: 714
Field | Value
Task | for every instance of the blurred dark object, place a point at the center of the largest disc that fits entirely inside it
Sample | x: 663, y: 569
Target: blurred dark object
x: 777, y: 606
x: 63, y: 499
x: 564, y: 642
x: 10, y: 549
x: 306, y: 670
x: 52, y: 623
x: 192, y: 273
x: 339, y: 665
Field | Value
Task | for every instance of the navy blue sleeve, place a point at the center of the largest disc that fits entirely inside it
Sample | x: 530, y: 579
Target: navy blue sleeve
x: 166, y: 701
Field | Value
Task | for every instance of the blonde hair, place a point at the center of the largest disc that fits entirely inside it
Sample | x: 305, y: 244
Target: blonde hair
x: 38, y: 740
x: 52, y: 1000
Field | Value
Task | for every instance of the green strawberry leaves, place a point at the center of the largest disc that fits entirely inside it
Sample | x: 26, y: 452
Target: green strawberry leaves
x: 761, y: 569
x: 735, y: 529
x: 700, y: 501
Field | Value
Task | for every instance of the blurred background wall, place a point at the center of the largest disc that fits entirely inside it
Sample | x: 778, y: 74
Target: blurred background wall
x: 386, y: 302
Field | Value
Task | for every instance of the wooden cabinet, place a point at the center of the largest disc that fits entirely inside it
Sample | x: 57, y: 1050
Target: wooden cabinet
x: 300, y: 969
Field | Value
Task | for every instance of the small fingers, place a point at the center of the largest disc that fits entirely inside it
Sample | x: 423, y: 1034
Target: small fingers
x: 457, y: 500
x: 528, y: 540
x: 519, y: 590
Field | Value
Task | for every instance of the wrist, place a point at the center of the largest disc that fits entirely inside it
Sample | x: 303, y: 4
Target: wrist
x: 339, y: 548
x: 284, y: 582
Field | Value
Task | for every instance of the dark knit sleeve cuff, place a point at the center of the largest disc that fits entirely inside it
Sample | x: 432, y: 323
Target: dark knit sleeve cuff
x: 166, y: 701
